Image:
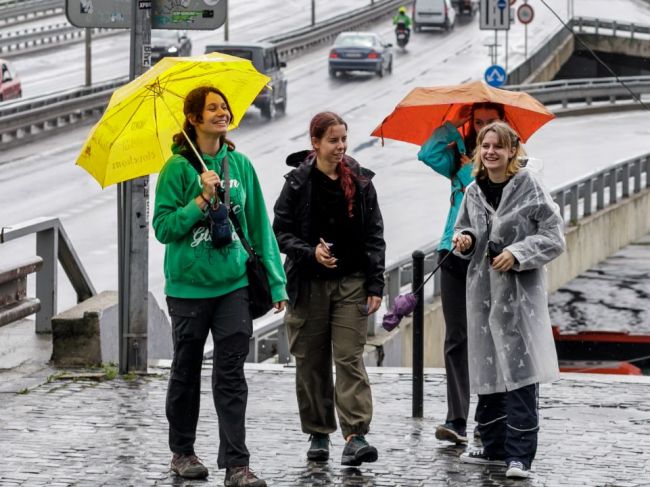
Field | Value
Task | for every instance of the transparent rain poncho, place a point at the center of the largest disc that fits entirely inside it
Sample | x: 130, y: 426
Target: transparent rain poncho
x: 510, y: 341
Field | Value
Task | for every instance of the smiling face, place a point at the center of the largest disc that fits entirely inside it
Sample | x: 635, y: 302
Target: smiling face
x: 215, y: 117
x: 331, y: 147
x: 495, y: 156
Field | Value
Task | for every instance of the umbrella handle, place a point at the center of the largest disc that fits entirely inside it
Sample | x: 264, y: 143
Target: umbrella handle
x: 189, y: 141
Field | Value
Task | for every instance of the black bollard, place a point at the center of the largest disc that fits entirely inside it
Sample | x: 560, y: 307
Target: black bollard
x: 418, y: 334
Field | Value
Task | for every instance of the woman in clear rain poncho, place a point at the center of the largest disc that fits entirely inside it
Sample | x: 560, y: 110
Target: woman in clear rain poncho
x: 509, y: 227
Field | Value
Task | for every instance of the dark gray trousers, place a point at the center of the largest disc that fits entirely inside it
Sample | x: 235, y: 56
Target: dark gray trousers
x: 452, y: 294
x: 228, y: 318
x: 508, y: 423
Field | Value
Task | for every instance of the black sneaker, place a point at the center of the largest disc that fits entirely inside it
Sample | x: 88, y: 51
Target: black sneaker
x: 188, y: 466
x: 357, y: 451
x: 451, y: 432
x: 242, y: 477
x: 478, y: 457
x: 517, y: 470
x: 319, y: 450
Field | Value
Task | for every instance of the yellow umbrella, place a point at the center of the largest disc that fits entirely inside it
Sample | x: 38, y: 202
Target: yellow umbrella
x: 133, y: 138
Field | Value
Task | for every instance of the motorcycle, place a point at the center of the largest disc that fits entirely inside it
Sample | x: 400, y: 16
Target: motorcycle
x: 402, y: 35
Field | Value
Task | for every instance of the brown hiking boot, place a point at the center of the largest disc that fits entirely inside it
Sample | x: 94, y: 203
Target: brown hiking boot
x: 242, y: 477
x: 188, y: 466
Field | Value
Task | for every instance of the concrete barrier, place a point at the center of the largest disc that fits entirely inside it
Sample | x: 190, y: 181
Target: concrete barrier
x: 87, y: 334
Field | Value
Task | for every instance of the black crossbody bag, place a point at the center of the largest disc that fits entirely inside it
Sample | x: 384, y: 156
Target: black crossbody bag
x: 259, y: 290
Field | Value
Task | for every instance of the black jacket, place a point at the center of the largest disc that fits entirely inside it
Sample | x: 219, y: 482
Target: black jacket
x: 293, y: 217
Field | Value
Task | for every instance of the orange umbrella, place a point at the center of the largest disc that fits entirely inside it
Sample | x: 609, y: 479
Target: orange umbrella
x: 425, y: 109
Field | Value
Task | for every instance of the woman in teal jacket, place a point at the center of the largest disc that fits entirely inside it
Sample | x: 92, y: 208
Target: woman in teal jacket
x: 207, y: 287
x: 450, y: 154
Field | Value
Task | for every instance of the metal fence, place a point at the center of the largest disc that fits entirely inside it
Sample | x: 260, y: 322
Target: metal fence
x: 52, y: 245
x: 14, y: 12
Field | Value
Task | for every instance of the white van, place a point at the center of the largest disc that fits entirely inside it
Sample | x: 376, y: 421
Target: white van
x: 433, y: 13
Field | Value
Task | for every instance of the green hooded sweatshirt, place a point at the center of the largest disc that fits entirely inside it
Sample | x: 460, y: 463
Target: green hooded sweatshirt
x: 193, y: 268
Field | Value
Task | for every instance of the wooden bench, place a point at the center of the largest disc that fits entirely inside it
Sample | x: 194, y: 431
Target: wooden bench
x: 14, y: 303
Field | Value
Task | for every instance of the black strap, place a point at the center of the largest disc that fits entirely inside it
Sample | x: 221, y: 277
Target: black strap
x: 198, y: 167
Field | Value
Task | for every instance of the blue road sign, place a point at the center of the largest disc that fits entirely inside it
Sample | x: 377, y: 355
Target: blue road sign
x: 495, y: 76
x: 502, y: 4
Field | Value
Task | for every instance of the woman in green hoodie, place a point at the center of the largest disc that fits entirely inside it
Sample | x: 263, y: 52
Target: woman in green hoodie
x: 207, y: 287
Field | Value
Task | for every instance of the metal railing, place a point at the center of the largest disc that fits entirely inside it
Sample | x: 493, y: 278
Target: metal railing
x: 585, y: 91
x: 14, y: 12
x: 40, y: 40
x: 297, y: 42
x: 52, y: 245
x: 577, y: 199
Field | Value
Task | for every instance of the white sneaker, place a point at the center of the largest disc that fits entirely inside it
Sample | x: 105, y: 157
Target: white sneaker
x: 517, y: 470
x: 477, y: 457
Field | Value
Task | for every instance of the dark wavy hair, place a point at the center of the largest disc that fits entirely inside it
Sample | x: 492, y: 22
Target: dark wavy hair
x: 470, y: 137
x: 317, y: 129
x: 194, y: 105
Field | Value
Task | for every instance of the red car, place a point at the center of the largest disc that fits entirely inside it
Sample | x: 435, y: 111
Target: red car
x: 9, y: 82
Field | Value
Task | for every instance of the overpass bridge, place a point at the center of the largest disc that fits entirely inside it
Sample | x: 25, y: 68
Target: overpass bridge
x: 577, y: 198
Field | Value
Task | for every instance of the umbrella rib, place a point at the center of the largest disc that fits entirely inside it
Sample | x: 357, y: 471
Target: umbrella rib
x: 130, y: 118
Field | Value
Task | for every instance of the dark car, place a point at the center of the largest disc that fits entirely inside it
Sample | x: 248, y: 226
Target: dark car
x: 171, y: 43
x: 10, y: 86
x: 360, y: 51
x: 265, y: 59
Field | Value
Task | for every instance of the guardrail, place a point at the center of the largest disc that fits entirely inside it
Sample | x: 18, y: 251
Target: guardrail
x: 585, y: 91
x: 50, y: 38
x: 14, y: 12
x: 52, y: 245
x: 297, y: 42
x: 577, y: 199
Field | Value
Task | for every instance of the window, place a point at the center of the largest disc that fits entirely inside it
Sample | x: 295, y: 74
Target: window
x: 6, y: 74
x: 269, y: 60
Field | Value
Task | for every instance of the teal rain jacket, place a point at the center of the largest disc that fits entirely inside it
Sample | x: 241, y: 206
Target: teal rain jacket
x: 439, y: 156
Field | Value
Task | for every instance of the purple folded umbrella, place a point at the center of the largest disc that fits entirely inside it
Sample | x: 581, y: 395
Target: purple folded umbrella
x: 404, y: 305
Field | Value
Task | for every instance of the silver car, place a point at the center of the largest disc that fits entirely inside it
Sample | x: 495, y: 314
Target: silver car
x: 360, y: 51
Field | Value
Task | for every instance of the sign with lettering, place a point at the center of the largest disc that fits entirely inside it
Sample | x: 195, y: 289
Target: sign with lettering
x: 165, y: 14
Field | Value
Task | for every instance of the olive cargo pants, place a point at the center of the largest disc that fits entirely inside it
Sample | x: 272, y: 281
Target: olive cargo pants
x: 331, y: 321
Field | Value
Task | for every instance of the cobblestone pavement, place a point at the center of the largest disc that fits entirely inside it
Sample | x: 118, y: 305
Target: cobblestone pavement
x: 594, y: 432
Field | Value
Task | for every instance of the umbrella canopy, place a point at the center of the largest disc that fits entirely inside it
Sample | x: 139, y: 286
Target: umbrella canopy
x: 133, y: 138
x: 425, y: 109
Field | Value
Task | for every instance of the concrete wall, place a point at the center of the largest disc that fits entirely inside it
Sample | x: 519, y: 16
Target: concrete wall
x: 550, y: 67
x: 589, y: 242
x: 617, y: 45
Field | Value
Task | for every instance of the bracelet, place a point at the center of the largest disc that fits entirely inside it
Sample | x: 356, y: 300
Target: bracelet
x: 205, y: 199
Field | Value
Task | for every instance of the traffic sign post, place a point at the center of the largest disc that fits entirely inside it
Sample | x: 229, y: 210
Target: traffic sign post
x: 495, y: 76
x: 140, y: 16
x: 525, y: 14
x: 117, y: 14
x: 494, y: 14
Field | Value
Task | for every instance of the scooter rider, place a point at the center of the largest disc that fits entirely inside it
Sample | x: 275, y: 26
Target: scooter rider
x: 403, y: 18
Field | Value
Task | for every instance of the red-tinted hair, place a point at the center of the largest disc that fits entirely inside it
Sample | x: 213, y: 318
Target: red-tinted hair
x: 318, y: 128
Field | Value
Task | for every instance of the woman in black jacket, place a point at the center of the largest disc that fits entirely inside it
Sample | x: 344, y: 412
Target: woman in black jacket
x: 328, y: 223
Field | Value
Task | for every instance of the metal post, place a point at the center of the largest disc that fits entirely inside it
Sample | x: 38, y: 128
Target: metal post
x: 89, y: 80
x: 506, y: 64
x: 133, y: 240
x: 313, y: 12
x: 46, y: 279
x: 226, y: 31
x: 418, y: 334
x: 496, y: 49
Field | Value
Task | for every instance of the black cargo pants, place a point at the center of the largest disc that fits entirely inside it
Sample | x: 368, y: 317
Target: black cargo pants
x: 228, y: 318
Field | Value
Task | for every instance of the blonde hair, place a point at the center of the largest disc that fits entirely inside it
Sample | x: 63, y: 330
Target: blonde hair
x: 509, y: 139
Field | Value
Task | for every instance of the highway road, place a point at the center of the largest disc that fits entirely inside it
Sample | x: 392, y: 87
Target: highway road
x: 41, y: 178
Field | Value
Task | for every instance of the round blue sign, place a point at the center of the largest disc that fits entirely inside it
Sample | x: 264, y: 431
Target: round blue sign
x: 495, y: 76
x: 502, y: 4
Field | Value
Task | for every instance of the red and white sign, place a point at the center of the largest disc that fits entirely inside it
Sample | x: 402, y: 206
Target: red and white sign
x: 525, y: 13
x: 512, y: 2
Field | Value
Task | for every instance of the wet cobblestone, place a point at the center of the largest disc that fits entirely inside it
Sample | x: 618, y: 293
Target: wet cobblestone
x: 114, y: 433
